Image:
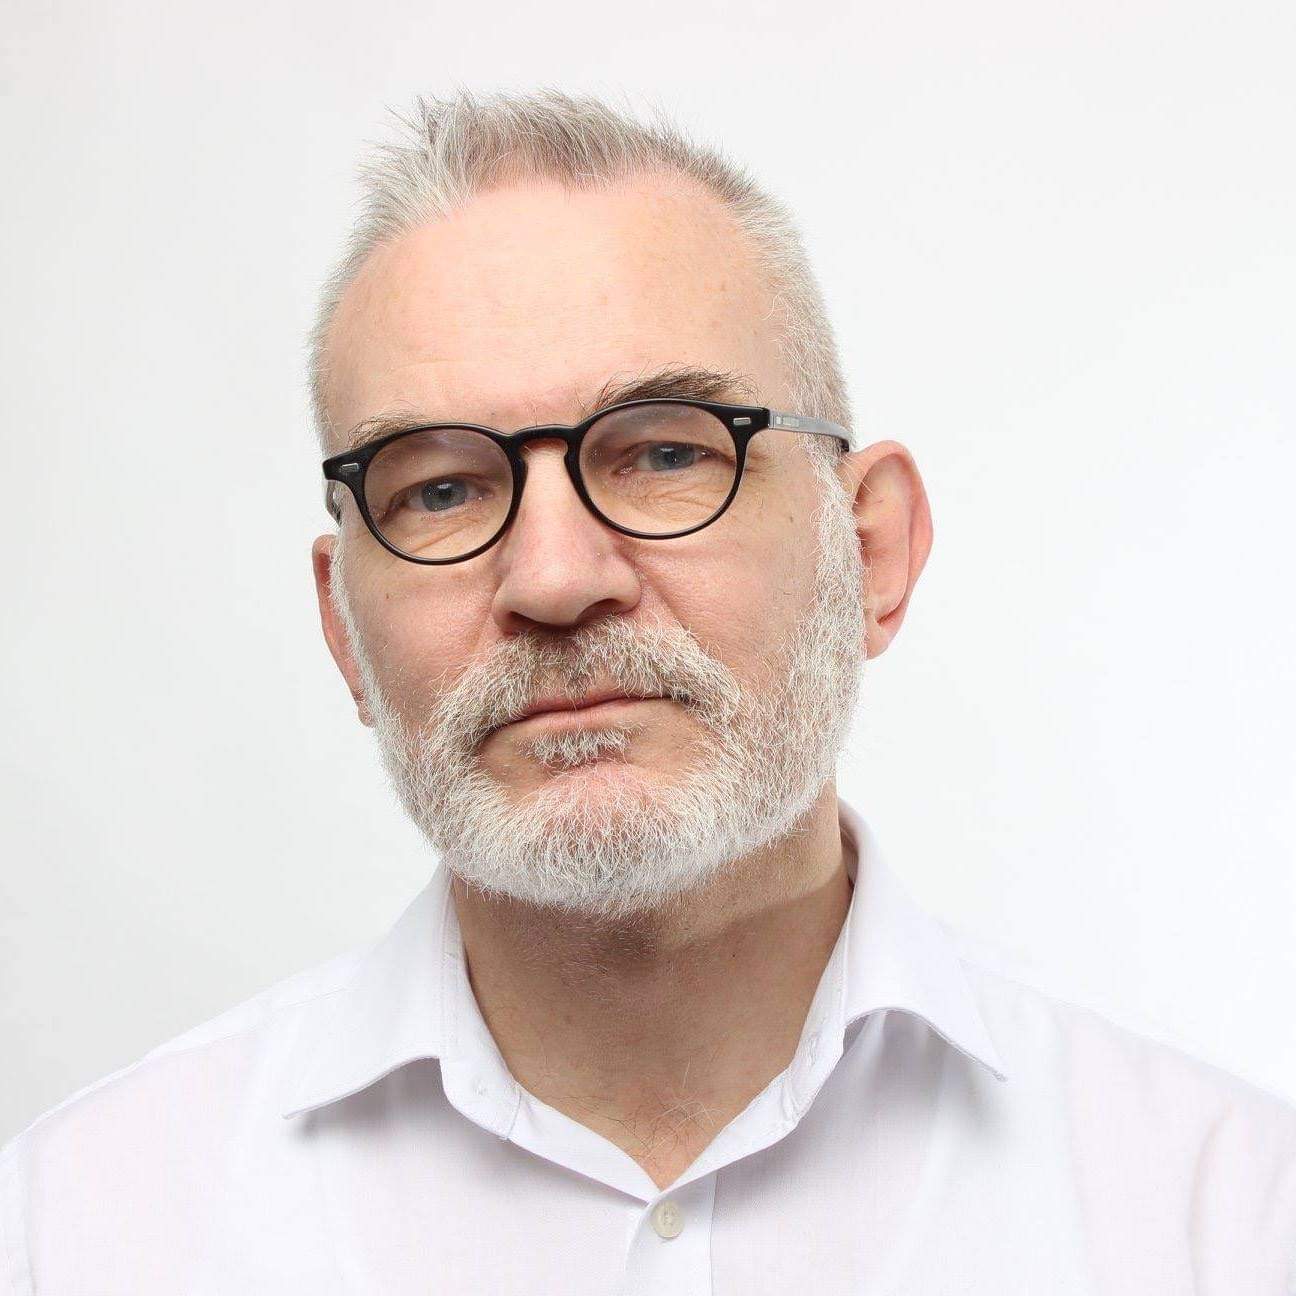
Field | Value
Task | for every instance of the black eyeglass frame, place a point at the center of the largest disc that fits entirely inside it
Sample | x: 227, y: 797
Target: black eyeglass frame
x: 743, y: 421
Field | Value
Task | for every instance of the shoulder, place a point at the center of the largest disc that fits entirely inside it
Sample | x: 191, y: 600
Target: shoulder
x: 1114, y: 1050
x: 173, y: 1105
x: 1147, y: 1126
x: 259, y: 1027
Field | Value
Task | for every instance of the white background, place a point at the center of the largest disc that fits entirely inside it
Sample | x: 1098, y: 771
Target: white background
x: 1058, y: 244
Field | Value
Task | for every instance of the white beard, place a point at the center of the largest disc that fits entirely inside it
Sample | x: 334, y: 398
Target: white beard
x: 766, y: 750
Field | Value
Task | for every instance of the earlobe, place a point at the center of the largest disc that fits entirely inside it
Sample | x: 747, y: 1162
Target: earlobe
x: 893, y: 521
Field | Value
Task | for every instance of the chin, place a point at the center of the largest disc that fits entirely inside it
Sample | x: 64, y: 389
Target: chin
x: 613, y: 783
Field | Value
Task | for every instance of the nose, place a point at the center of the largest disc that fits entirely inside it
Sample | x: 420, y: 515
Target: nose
x: 560, y: 566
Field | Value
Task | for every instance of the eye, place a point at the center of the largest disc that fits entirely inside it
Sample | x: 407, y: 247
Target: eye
x: 436, y: 495
x: 670, y: 455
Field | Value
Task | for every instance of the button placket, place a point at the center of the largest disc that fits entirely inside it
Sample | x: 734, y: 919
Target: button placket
x: 670, y: 1249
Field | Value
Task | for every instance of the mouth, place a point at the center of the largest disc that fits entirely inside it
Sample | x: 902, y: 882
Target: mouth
x: 594, y: 712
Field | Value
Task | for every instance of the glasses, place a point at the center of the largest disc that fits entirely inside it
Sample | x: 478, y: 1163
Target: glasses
x: 654, y: 469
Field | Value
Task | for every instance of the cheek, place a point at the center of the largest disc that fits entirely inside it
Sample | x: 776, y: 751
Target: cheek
x: 418, y: 645
x: 766, y: 612
x: 744, y: 603
x: 771, y: 546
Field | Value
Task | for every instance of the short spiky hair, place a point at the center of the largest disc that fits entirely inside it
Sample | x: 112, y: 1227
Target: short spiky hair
x: 465, y: 144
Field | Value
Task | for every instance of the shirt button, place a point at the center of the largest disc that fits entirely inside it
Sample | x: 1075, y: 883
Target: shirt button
x: 667, y: 1219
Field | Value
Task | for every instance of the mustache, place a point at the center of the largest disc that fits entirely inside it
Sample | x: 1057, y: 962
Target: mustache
x: 664, y: 662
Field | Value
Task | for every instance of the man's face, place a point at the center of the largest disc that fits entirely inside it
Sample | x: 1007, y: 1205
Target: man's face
x: 517, y: 310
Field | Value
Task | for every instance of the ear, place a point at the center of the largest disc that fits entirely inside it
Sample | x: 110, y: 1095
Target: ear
x: 335, y: 631
x: 893, y: 521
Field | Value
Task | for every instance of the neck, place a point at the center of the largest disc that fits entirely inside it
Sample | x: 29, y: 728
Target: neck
x: 657, y: 1031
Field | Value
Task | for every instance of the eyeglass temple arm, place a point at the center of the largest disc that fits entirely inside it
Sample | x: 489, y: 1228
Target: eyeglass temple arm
x: 817, y: 426
x: 331, y: 504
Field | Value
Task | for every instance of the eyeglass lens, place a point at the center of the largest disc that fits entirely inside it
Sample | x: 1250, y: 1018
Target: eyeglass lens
x: 656, y: 468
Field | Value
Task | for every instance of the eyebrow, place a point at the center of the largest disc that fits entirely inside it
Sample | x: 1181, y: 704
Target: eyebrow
x: 688, y: 382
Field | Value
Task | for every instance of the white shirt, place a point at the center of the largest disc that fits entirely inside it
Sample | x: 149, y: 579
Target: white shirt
x: 941, y: 1129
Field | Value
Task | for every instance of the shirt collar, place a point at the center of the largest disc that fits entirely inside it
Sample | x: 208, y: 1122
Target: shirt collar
x: 392, y: 1011
x: 406, y: 998
x: 898, y: 956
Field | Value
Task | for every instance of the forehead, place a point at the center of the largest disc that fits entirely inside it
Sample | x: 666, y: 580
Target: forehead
x: 525, y: 302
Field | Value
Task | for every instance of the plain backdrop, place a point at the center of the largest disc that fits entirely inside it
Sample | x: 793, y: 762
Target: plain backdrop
x: 1059, y: 244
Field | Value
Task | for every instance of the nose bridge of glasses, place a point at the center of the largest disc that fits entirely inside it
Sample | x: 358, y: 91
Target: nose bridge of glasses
x: 527, y: 438
x: 552, y: 440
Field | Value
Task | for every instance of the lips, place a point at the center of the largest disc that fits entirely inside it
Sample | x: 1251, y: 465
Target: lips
x: 556, y: 702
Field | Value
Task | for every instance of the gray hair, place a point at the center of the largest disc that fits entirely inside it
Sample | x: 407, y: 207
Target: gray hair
x: 465, y: 144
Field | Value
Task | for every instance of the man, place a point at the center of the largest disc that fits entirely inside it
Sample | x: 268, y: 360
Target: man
x: 608, y: 563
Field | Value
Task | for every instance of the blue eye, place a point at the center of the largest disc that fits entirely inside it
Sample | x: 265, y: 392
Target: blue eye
x: 668, y: 454
x: 437, y: 496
